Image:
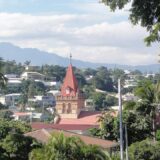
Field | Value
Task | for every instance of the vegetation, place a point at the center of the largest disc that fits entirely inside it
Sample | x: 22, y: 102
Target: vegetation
x: 69, y: 148
x: 100, y: 85
x: 13, y: 145
x: 143, y: 12
x: 146, y: 150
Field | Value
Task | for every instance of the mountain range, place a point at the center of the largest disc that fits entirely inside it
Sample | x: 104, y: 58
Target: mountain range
x: 11, y: 52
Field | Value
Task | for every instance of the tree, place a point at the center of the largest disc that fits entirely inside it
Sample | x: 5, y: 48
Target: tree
x: 139, y: 127
x: 89, y: 71
x: 68, y: 148
x: 3, y: 79
x: 111, y: 101
x: 149, y: 93
x: 146, y: 13
x: 116, y: 74
x: 7, y: 127
x: 158, y: 135
x: 6, y: 114
x: 145, y: 90
x: 102, y: 80
x: 98, y: 99
x: 27, y: 63
x: 129, y: 105
x: 17, y: 146
x: 107, y: 129
x: 144, y: 150
x: 13, y: 145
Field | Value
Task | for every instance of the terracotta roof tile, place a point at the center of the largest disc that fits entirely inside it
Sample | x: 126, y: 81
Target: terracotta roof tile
x: 85, y: 118
x: 69, y: 127
x: 41, y: 135
x: 70, y: 82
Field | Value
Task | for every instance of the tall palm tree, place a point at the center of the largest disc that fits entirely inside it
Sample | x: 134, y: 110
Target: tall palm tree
x: 150, y: 93
x: 3, y: 79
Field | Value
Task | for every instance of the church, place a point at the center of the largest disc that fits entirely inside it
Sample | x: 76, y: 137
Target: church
x: 70, y: 103
x: 72, y: 114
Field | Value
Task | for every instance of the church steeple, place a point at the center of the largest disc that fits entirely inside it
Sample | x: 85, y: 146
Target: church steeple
x: 70, y: 102
x: 70, y: 58
x: 70, y: 84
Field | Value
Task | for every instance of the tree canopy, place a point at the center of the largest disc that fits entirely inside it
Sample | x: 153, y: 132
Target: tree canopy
x: 67, y: 148
x: 143, y: 12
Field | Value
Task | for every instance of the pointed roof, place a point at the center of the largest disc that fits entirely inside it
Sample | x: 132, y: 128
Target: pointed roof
x: 70, y: 84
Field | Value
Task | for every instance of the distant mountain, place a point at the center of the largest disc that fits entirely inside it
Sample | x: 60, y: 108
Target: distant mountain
x: 9, y: 51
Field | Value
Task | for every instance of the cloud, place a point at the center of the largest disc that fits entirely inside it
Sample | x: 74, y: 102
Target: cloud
x: 81, y: 34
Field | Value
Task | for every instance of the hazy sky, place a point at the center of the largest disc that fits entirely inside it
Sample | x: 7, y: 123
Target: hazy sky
x: 86, y: 28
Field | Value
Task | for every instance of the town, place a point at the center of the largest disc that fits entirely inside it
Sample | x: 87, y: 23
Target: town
x: 79, y: 80
x: 79, y: 102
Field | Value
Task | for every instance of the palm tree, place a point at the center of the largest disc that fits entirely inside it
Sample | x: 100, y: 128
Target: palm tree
x: 60, y: 147
x: 3, y: 79
x: 149, y: 93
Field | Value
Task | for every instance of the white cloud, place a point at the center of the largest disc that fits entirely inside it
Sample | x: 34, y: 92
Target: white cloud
x: 83, y: 35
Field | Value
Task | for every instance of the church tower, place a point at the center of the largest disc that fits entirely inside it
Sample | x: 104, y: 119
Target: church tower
x: 70, y: 102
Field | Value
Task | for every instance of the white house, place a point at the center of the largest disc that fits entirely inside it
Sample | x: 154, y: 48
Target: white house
x: 32, y: 76
x: 9, y: 99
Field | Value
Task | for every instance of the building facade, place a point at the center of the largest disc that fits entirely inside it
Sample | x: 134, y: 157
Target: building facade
x: 70, y: 101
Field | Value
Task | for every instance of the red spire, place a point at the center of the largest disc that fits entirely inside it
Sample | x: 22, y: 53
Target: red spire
x: 70, y: 84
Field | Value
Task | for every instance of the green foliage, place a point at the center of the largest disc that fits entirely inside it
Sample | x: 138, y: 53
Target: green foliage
x: 143, y: 12
x: 138, y: 127
x: 6, y: 114
x: 129, y: 105
x: 111, y: 100
x: 9, y: 126
x: 144, y: 150
x: 116, y: 74
x: 13, y: 145
x: 11, y: 67
x: 80, y: 78
x: 54, y: 71
x: 16, y: 146
x: 88, y: 90
x: 3, y: 106
x: 108, y: 126
x: 68, y: 148
x: 145, y: 90
x: 158, y: 135
x: 98, y: 99
x: 89, y: 71
x: 102, y: 80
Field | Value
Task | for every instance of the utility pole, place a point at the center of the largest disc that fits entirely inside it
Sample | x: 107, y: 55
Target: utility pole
x: 120, y: 119
x: 126, y: 138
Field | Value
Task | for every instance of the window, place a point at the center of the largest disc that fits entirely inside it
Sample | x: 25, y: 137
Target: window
x: 64, y: 108
x: 69, y: 110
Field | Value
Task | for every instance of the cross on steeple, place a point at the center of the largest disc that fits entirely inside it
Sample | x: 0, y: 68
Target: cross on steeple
x: 70, y: 58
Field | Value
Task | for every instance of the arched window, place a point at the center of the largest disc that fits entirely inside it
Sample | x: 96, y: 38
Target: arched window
x: 63, y: 108
x: 69, y: 109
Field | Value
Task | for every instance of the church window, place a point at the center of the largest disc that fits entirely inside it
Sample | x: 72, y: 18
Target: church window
x: 69, y: 110
x: 64, y: 108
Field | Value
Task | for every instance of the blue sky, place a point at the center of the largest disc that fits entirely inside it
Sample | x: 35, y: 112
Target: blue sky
x: 86, y: 28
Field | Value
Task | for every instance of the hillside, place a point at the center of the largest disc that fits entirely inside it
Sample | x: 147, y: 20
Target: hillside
x: 9, y: 51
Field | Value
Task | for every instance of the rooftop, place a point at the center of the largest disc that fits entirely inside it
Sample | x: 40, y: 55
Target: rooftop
x: 68, y: 127
x: 70, y: 83
x: 43, y: 136
x: 85, y: 118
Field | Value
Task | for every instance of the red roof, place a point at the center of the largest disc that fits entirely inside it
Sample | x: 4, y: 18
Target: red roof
x: 68, y: 127
x: 70, y: 83
x: 43, y: 135
x: 85, y: 118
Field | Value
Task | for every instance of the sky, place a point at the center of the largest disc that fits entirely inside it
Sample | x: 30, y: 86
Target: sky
x: 85, y: 28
